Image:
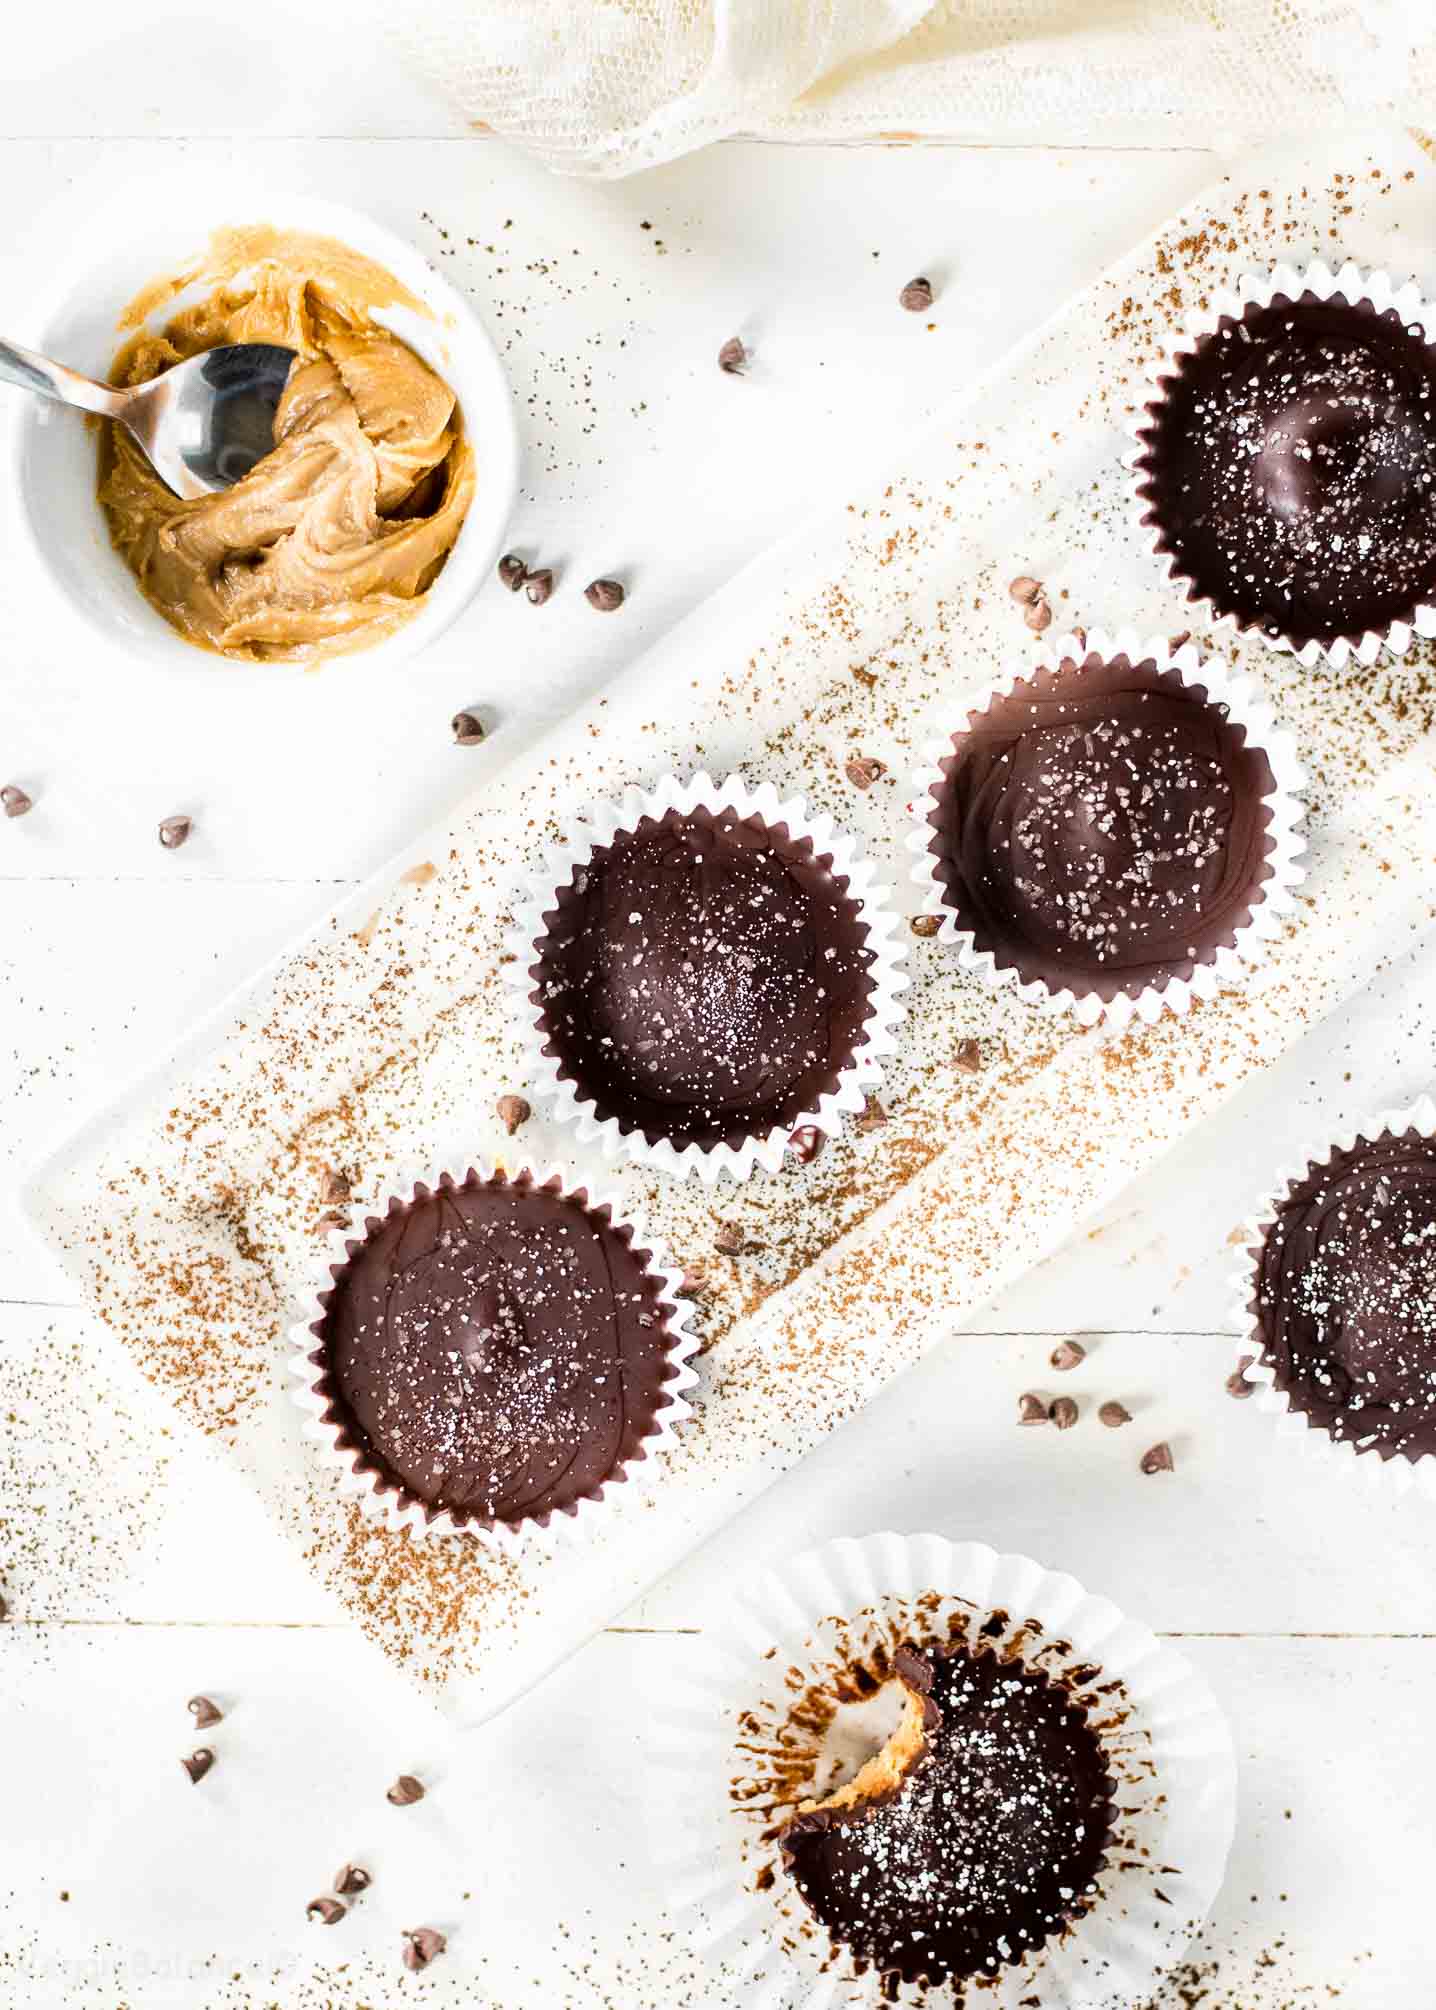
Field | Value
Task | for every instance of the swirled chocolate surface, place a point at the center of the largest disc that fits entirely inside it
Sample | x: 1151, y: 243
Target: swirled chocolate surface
x: 1290, y: 469
x: 1102, y: 826
x: 704, y: 979
x: 1346, y: 1295
x: 495, y: 1349
x: 990, y: 1844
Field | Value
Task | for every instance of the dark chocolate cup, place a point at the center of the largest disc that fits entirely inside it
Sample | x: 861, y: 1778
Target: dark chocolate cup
x: 858, y: 955
x: 1388, y: 621
x: 654, y: 1387
x: 1374, y: 1442
x: 1205, y: 952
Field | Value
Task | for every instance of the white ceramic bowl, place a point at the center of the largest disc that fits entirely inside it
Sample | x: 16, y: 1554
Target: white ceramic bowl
x: 49, y: 453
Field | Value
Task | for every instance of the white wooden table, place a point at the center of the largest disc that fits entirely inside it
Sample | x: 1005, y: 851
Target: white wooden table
x: 138, y: 1571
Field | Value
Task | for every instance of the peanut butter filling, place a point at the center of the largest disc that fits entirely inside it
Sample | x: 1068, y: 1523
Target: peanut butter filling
x: 332, y: 541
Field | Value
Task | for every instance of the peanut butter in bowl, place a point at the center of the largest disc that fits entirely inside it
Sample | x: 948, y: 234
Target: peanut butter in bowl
x: 333, y: 540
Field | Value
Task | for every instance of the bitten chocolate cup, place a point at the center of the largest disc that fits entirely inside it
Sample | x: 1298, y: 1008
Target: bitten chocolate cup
x: 1286, y: 462
x: 1335, y: 1302
x: 1114, y: 832
x: 493, y: 1354
x: 706, y: 969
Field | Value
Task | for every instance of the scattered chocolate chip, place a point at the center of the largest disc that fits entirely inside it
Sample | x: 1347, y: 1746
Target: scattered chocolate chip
x: 732, y: 357
x: 513, y: 1111
x: 1176, y: 642
x: 334, y: 1187
x: 4, y: 1610
x: 328, y: 1909
x: 404, y: 1792
x: 14, y: 801
x: 693, y: 1280
x: 1025, y: 590
x: 1031, y: 1410
x: 925, y: 924
x: 1038, y: 616
x: 1113, y: 1415
x: 872, y: 1116
x: 467, y: 728
x: 969, y: 1057
x: 729, y: 1240
x: 1158, y: 1459
x: 204, y: 1712
x: 604, y: 594
x: 512, y: 571
x: 862, y: 771
x: 352, y: 1879
x: 805, y: 1143
x: 916, y: 296
x: 539, y: 585
x: 330, y: 1220
x: 198, y: 1764
x: 421, y: 1944
x: 1068, y: 1354
x: 1237, y: 1384
x: 1064, y: 1412
x: 174, y: 831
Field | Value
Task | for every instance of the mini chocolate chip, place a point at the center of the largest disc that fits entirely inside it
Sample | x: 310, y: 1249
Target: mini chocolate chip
x: 1113, y: 1415
x: 732, y: 357
x: 1158, y: 1459
x: 1064, y: 1413
x: 513, y: 1111
x: 1068, y: 1354
x: 404, y: 1792
x: 467, y: 728
x: 334, y: 1187
x: 174, y: 831
x: 1038, y: 616
x: 862, y: 771
x: 916, y: 296
x: 14, y: 801
x: 352, y: 1879
x: 330, y: 1220
x: 1024, y: 589
x: 204, y: 1712
x: 4, y: 1610
x: 693, y: 1280
x: 1031, y: 1410
x: 512, y: 571
x: 421, y: 1944
x: 328, y: 1909
x: 872, y: 1116
x: 969, y: 1057
x: 198, y: 1764
x: 604, y: 594
x: 539, y: 585
x: 925, y: 924
x: 1176, y: 642
x: 729, y: 1239
x: 1237, y: 1384
x: 805, y: 1143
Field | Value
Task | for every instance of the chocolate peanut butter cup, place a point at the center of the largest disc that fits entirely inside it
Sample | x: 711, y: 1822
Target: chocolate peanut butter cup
x: 493, y: 1351
x: 1107, y: 830
x: 1287, y: 465
x: 975, y: 1838
x: 1340, y: 1294
x: 710, y: 972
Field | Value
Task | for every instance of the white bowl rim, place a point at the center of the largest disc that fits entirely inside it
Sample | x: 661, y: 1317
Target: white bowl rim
x: 492, y: 428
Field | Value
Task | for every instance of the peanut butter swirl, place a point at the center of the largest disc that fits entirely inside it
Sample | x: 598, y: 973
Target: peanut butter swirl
x: 332, y: 541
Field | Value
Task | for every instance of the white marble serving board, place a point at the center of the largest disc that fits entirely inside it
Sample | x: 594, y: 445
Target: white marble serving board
x: 186, y: 1208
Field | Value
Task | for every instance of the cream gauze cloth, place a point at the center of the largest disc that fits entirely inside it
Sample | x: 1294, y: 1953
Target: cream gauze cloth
x: 603, y: 87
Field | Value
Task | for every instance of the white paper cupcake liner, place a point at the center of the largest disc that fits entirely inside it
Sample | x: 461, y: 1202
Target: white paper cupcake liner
x: 381, y: 1498
x: 1383, y: 293
x: 1167, y: 1742
x: 1295, y: 1428
x: 1246, y: 708
x: 598, y: 825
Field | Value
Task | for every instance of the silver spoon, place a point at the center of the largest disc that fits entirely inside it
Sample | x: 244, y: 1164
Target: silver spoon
x: 201, y: 425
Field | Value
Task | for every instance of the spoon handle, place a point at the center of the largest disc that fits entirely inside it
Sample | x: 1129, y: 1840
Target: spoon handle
x: 52, y: 380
